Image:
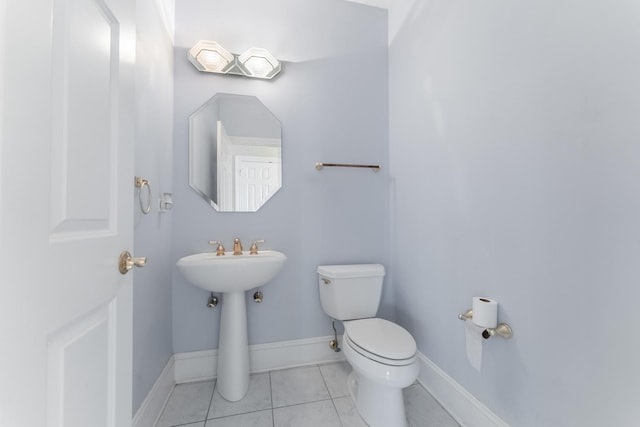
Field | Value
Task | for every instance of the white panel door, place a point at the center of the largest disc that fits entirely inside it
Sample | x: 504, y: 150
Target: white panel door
x: 66, y: 197
x: 257, y: 178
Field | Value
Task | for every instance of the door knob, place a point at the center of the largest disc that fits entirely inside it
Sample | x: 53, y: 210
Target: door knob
x: 126, y: 262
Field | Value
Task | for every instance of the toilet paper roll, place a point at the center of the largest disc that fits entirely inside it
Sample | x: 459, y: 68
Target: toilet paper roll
x: 473, y: 338
x: 485, y: 312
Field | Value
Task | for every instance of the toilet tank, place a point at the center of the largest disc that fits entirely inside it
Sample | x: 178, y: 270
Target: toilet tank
x: 350, y: 291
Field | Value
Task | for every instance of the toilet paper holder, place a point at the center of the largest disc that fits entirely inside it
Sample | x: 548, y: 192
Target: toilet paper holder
x: 502, y: 329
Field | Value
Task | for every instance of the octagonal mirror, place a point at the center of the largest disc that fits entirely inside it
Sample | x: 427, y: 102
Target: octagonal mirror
x: 235, y: 153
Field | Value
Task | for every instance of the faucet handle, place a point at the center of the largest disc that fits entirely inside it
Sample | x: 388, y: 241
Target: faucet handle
x: 254, y: 248
x: 219, y: 249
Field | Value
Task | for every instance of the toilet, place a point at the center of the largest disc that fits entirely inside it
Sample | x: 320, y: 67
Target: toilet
x: 381, y: 353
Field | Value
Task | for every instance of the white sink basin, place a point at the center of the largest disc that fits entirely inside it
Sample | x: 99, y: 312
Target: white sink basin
x: 231, y: 273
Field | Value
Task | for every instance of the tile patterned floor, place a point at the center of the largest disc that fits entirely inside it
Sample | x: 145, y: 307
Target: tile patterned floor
x: 310, y: 396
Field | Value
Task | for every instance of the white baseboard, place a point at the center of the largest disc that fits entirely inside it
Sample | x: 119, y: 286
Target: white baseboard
x: 466, y: 409
x: 289, y: 354
x: 149, y: 412
x: 201, y: 365
x: 195, y: 366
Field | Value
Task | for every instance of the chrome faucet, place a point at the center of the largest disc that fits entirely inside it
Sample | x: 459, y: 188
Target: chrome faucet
x: 237, y: 247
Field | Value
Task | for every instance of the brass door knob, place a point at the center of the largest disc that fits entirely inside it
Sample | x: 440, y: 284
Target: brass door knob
x: 126, y: 262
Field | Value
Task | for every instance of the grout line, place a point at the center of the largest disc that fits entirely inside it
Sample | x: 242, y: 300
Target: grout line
x: 335, y: 408
x: 273, y: 417
x: 213, y: 392
x: 236, y: 415
x: 188, y: 424
x: 302, y: 403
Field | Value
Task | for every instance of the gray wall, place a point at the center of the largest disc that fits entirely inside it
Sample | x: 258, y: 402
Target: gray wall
x: 516, y: 165
x: 152, y: 344
x: 332, y: 101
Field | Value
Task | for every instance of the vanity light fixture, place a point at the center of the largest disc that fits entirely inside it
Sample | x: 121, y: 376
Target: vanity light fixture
x: 210, y: 57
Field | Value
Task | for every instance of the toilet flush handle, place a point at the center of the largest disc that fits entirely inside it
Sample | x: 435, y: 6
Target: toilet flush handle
x: 326, y: 281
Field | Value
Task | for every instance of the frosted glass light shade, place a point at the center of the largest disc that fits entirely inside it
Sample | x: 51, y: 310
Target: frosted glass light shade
x: 211, y: 57
x: 258, y: 62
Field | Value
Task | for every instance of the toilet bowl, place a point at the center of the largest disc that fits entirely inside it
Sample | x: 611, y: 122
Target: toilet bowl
x: 383, y: 357
x: 381, y: 353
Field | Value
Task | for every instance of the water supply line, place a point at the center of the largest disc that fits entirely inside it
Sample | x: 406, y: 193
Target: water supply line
x: 333, y: 344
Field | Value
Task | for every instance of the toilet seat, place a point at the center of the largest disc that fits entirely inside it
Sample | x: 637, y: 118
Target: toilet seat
x: 381, y: 341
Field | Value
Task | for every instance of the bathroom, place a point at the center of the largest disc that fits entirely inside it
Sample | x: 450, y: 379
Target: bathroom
x: 506, y: 135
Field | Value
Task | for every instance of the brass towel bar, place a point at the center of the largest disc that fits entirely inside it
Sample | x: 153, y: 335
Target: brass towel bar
x: 321, y: 165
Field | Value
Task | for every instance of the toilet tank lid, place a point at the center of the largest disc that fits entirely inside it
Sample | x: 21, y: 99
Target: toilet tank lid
x: 351, y: 270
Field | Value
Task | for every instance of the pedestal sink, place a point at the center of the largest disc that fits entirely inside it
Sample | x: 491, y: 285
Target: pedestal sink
x: 232, y: 275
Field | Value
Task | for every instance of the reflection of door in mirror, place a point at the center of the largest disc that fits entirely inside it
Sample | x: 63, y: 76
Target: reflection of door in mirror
x: 248, y: 171
x: 257, y: 178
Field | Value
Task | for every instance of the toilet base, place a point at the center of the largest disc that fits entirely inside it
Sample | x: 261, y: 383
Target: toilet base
x: 379, y: 406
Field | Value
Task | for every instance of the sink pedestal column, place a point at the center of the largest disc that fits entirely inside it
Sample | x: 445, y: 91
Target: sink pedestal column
x: 233, y: 348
